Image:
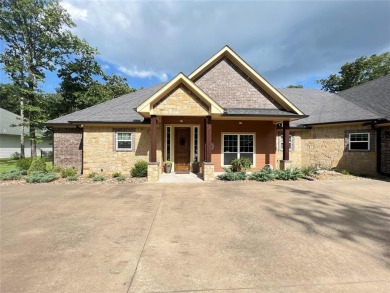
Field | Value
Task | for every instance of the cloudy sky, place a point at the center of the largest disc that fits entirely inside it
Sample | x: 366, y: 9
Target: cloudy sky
x: 288, y: 42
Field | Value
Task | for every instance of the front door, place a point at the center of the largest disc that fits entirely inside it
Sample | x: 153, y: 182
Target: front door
x: 182, y: 148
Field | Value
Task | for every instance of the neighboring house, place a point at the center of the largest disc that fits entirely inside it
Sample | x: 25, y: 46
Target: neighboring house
x: 10, y: 137
x: 222, y: 111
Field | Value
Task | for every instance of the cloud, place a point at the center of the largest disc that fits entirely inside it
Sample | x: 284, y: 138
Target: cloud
x: 134, y: 72
x: 283, y: 41
x: 75, y: 12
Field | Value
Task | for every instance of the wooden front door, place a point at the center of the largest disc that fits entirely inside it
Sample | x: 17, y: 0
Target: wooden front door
x: 182, y: 148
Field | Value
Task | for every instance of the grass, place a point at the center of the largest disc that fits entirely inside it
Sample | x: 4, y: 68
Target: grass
x: 9, y: 164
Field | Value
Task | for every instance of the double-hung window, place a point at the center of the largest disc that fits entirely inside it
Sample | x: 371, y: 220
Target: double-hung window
x: 124, y: 141
x: 359, y: 141
x: 290, y: 143
x: 237, y: 146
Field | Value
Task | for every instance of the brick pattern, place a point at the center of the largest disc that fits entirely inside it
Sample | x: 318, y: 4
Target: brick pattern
x: 385, y: 150
x: 208, y: 171
x: 232, y: 88
x: 68, y: 147
x: 180, y: 101
x: 100, y: 154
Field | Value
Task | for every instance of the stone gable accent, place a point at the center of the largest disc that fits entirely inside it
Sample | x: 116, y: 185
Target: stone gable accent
x: 180, y: 101
x: 230, y: 87
x: 68, y: 147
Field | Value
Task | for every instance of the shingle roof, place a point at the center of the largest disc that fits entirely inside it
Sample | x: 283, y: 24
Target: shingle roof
x: 373, y: 96
x: 6, y: 120
x: 258, y: 112
x: 324, y: 107
x: 119, y: 110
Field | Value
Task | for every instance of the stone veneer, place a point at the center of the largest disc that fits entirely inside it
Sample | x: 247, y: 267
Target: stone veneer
x: 180, y: 101
x: 154, y: 171
x: 232, y: 88
x: 100, y: 153
x: 295, y: 153
x: 68, y: 147
x: 327, y: 147
x: 208, y: 171
x: 385, y: 150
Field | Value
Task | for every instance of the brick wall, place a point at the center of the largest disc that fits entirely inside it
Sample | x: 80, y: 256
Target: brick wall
x: 68, y: 147
x: 385, y: 150
x: 232, y: 88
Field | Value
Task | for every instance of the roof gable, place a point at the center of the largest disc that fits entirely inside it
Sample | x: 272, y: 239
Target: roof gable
x: 268, y: 90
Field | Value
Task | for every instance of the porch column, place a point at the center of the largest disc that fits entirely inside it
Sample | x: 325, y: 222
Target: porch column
x: 153, y: 139
x: 286, y: 139
x: 208, y: 129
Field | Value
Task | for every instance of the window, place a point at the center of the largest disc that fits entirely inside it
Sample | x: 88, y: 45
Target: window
x: 237, y: 146
x: 290, y: 143
x: 168, y: 144
x: 359, y: 141
x: 196, y: 143
x: 124, y: 141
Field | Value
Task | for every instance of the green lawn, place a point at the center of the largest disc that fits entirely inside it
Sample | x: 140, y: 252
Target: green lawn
x: 9, y: 164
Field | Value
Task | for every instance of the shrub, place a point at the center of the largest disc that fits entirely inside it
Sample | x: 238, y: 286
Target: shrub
x: 289, y: 174
x: 140, y: 169
x: 41, y: 177
x: 15, y: 156
x: 229, y: 175
x: 263, y: 175
x: 54, y: 168
x: 98, y: 178
x: 68, y: 172
x: 37, y: 165
x: 91, y: 175
x: 116, y: 174
x: 121, y: 178
x: 72, y: 178
x: 24, y: 163
x: 345, y: 172
x: 309, y: 170
x: 240, y: 164
x: 15, y: 174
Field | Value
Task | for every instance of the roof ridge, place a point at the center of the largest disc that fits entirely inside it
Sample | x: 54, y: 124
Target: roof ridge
x: 362, y: 84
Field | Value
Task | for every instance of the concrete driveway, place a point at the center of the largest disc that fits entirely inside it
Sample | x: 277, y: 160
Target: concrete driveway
x: 246, y: 237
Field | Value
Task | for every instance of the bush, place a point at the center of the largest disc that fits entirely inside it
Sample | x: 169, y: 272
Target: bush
x: 15, y: 174
x: 24, y: 163
x: 309, y: 170
x: 229, y: 175
x: 98, y: 178
x: 116, y: 174
x: 240, y: 164
x: 54, y: 168
x: 140, y: 169
x: 289, y: 174
x: 72, y: 178
x: 37, y: 165
x: 15, y: 156
x: 68, y: 172
x: 41, y: 177
x: 91, y: 175
x: 345, y: 172
x: 121, y: 178
x: 263, y: 175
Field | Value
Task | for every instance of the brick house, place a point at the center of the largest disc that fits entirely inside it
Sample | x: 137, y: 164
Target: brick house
x: 221, y: 111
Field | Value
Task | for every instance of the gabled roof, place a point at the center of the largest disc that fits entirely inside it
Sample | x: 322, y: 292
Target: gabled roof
x: 227, y: 52
x: 324, y: 107
x: 373, y: 96
x: 7, y: 119
x: 146, y: 107
x: 119, y: 110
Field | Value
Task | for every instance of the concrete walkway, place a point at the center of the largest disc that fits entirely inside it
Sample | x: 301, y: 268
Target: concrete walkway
x: 321, y: 236
x: 180, y: 178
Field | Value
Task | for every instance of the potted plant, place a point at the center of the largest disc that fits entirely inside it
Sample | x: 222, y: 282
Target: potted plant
x: 167, y: 166
x: 195, y: 167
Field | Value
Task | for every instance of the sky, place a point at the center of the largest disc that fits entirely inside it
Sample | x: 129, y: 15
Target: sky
x: 287, y: 42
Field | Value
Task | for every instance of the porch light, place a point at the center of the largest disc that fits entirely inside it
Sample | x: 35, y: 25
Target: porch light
x: 181, y: 121
x: 240, y: 122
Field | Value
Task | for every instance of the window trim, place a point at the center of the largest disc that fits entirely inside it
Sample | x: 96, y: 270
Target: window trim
x: 117, y: 140
x: 198, y: 142
x: 238, y: 141
x: 171, y: 129
x: 291, y: 142
x: 367, y: 141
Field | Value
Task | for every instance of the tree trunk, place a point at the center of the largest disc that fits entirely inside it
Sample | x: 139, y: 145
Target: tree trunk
x: 22, y: 127
x: 33, y: 142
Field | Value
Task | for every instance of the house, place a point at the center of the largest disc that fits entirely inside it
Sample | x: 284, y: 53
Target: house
x: 10, y: 137
x: 221, y: 111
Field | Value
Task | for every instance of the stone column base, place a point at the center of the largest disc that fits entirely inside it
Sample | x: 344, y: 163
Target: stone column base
x: 285, y: 164
x: 153, y: 171
x: 208, y: 171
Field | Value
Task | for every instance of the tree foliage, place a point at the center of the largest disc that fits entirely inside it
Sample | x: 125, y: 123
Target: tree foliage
x: 291, y: 86
x: 358, y: 72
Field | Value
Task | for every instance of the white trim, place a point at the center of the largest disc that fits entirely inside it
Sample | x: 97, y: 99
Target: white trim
x: 290, y: 142
x: 238, y: 133
x: 367, y: 141
x: 166, y: 144
x: 116, y: 141
x: 193, y: 143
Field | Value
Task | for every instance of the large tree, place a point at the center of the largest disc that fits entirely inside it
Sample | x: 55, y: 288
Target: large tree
x: 38, y: 39
x: 358, y: 72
